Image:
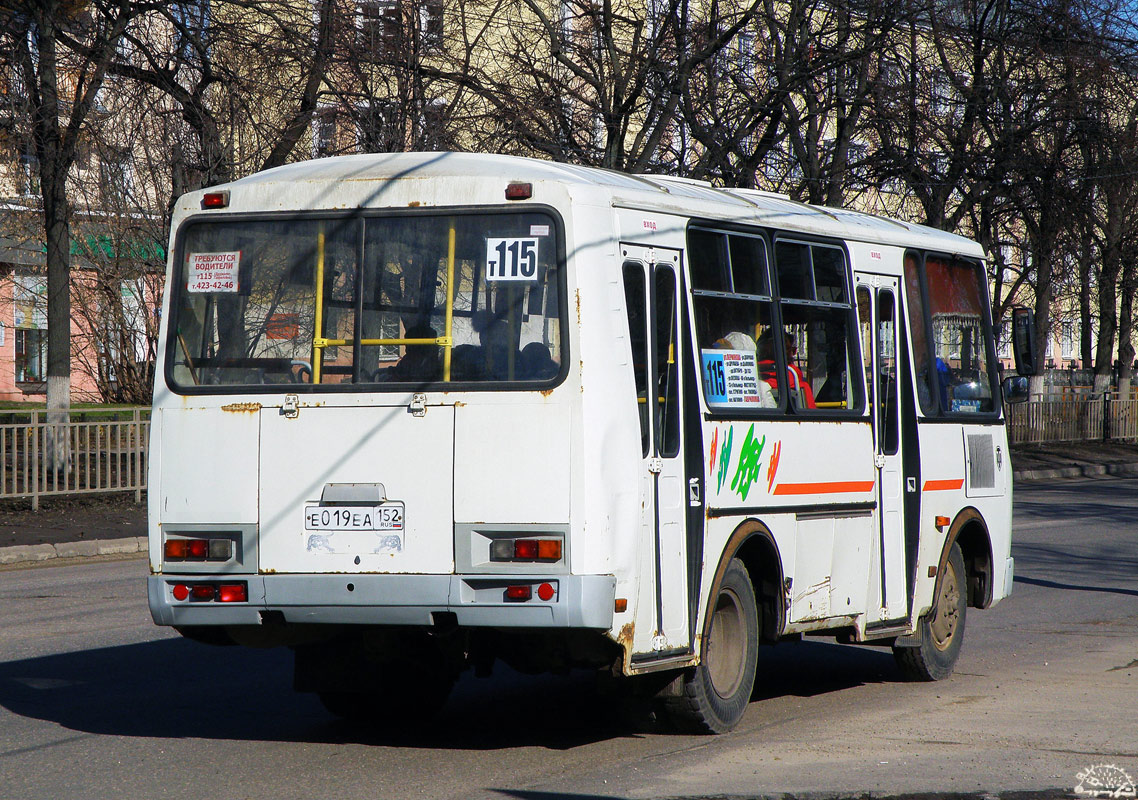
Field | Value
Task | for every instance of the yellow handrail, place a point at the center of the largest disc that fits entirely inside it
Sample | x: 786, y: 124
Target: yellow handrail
x: 318, y: 341
x: 450, y: 304
x: 321, y: 343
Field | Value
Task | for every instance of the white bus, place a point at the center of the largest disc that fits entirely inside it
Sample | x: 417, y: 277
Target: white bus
x: 416, y: 413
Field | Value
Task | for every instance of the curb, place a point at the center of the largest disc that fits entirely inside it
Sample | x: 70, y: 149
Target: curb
x: 1076, y: 471
x: 30, y: 553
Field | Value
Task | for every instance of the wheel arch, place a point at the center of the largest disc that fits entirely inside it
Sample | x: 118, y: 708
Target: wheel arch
x: 753, y: 543
x: 970, y: 531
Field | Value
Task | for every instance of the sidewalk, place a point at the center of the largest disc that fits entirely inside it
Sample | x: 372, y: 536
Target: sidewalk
x: 113, y: 525
x: 1074, y: 460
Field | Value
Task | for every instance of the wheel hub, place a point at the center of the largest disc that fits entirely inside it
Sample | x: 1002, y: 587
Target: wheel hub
x: 947, y: 617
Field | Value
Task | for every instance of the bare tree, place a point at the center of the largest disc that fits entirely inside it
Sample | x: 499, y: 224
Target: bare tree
x: 596, y: 83
x: 61, y: 88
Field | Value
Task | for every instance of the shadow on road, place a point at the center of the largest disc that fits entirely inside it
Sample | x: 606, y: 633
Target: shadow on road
x: 1076, y: 588
x: 174, y: 688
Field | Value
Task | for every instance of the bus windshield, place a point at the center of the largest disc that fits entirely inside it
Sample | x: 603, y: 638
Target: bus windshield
x: 411, y: 299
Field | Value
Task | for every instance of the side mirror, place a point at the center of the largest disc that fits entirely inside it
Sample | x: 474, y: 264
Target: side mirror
x: 1016, y: 389
x: 1023, y: 341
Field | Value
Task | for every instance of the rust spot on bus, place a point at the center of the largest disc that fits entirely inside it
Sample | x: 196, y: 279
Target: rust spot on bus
x: 242, y: 408
x: 624, y: 639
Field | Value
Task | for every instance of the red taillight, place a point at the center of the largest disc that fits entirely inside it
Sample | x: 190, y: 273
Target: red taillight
x: 525, y: 549
x: 214, y: 549
x: 232, y: 593
x: 210, y: 592
x: 519, y: 593
x: 545, y: 592
x: 215, y: 200
x: 537, y: 549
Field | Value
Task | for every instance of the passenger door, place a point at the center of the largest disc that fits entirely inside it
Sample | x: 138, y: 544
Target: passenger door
x: 877, y: 304
x: 652, y: 289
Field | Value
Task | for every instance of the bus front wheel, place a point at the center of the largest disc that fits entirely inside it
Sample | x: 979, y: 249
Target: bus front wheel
x: 942, y: 629
x: 715, y: 693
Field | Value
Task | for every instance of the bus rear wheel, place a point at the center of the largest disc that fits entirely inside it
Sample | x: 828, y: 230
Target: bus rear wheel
x: 715, y: 693
x: 942, y: 629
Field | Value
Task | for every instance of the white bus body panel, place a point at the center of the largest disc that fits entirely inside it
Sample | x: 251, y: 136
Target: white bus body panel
x: 197, y: 485
x: 376, y: 445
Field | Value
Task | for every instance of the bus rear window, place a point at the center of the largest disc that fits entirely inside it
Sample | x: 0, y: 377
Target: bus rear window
x: 399, y: 301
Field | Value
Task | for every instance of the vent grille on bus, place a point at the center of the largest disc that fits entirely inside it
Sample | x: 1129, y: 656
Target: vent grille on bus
x: 981, y: 461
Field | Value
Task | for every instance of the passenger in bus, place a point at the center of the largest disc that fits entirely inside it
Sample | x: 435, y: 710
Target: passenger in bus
x: 535, y: 363
x: 801, y: 395
x: 420, y: 362
x: 494, y: 338
x: 739, y: 340
x: 466, y: 363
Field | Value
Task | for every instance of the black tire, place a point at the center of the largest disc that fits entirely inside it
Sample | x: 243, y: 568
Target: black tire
x: 716, y: 693
x: 410, y: 694
x: 942, y: 629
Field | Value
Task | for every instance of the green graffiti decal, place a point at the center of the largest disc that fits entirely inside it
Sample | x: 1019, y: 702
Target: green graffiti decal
x: 748, y: 470
x: 725, y: 458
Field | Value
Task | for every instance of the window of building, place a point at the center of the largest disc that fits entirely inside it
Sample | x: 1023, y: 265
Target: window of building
x: 379, y: 128
x: 116, y: 176
x: 1067, y: 345
x: 31, y: 355
x: 940, y: 93
x: 1004, y: 341
x: 324, y: 132
x: 385, y: 28
x: 431, y: 24
x: 28, y: 174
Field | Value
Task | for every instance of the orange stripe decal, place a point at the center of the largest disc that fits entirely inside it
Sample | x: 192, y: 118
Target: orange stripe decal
x: 830, y: 487
x: 945, y: 485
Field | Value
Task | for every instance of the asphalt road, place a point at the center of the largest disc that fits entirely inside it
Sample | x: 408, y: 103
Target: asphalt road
x: 96, y: 702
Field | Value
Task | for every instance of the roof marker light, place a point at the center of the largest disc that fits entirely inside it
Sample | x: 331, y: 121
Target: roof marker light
x: 215, y: 200
x: 519, y: 191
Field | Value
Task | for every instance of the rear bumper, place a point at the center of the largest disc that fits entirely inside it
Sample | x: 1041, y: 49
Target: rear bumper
x: 579, y: 601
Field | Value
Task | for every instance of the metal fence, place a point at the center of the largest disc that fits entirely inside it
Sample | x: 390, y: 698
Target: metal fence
x: 1077, y: 418
x: 105, y: 451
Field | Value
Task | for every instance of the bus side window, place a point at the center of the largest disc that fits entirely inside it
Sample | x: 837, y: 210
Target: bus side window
x: 667, y: 364
x: 817, y: 335
x: 887, y: 377
x: 865, y: 325
x: 733, y: 306
x: 918, y: 328
x: 635, y: 302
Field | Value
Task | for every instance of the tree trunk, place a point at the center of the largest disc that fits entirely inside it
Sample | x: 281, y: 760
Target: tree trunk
x: 54, y: 163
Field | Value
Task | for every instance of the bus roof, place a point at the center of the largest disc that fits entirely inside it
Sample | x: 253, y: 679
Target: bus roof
x: 366, y: 181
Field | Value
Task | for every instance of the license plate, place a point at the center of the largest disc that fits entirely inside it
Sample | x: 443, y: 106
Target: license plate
x: 384, y: 517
